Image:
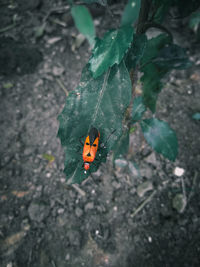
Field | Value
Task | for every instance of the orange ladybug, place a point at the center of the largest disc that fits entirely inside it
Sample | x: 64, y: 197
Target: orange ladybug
x: 90, y: 147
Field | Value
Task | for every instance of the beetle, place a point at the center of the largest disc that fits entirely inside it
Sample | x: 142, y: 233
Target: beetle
x: 90, y: 147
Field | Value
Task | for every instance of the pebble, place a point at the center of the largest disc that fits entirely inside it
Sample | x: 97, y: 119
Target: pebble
x: 89, y: 206
x: 144, y: 187
x: 39, y: 82
x: 116, y: 185
x: 146, y: 172
x: 62, y: 219
x: 67, y: 257
x: 53, y: 40
x: 80, y: 38
x: 78, y: 212
x: 39, y: 188
x: 115, y: 208
x: 48, y: 175
x: 134, y: 170
x: 58, y: 71
x: 179, y: 171
x: 62, y: 180
x: 121, y: 163
x: 38, y: 211
x: 179, y: 203
x: 28, y: 151
x: 151, y: 159
x: 61, y: 211
x: 74, y: 238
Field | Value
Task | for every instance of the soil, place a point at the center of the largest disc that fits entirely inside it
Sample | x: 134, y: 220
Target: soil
x: 120, y: 218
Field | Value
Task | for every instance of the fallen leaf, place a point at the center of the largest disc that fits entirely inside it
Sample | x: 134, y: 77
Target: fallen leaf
x: 20, y: 193
x: 48, y: 157
x: 4, y: 197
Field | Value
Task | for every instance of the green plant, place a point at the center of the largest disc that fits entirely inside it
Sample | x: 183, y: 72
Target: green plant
x: 106, y: 95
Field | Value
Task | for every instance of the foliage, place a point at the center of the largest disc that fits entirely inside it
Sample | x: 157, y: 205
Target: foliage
x: 138, y: 109
x: 160, y: 137
x: 131, y: 12
x: 194, y: 20
x: 84, y: 22
x: 105, y: 97
x: 110, y: 50
x: 194, y: 24
x: 99, y: 102
x: 196, y: 116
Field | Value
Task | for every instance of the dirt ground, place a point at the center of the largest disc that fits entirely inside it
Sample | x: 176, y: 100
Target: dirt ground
x: 122, y: 217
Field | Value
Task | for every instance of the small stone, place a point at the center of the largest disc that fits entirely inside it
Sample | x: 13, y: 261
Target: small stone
x: 74, y: 238
x: 39, y: 188
x: 115, y: 208
x: 78, y: 212
x: 60, y: 211
x: 62, y: 219
x: 53, y: 40
x: 67, y: 257
x: 144, y: 187
x: 28, y: 151
x: 134, y: 169
x: 38, y: 211
x: 62, y: 180
x: 89, y: 206
x: 179, y: 171
x: 97, y: 232
x: 58, y: 71
x: 39, y: 82
x: 121, y: 163
x: 151, y: 159
x: 179, y: 203
x: 80, y: 38
x: 48, y: 175
x: 116, y: 185
x: 146, y: 171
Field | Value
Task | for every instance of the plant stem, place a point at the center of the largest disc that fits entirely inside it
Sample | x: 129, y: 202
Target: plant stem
x: 143, y: 16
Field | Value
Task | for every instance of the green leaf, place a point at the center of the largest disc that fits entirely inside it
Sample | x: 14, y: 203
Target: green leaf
x: 161, y: 8
x: 160, y: 137
x: 151, y: 85
x: 84, y: 22
x: 196, y: 116
x: 131, y: 12
x: 138, y: 109
x: 153, y: 74
x: 7, y: 85
x: 101, y: 103
x: 194, y: 21
x: 153, y: 47
x: 132, y: 130
x: 122, y: 146
x: 39, y: 31
x: 110, y: 50
x: 136, y: 51
x: 172, y: 57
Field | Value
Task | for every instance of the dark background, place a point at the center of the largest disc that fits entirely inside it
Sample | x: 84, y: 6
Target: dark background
x: 45, y: 223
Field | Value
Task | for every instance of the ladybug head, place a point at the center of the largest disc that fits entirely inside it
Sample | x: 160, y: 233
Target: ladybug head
x: 86, y: 166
